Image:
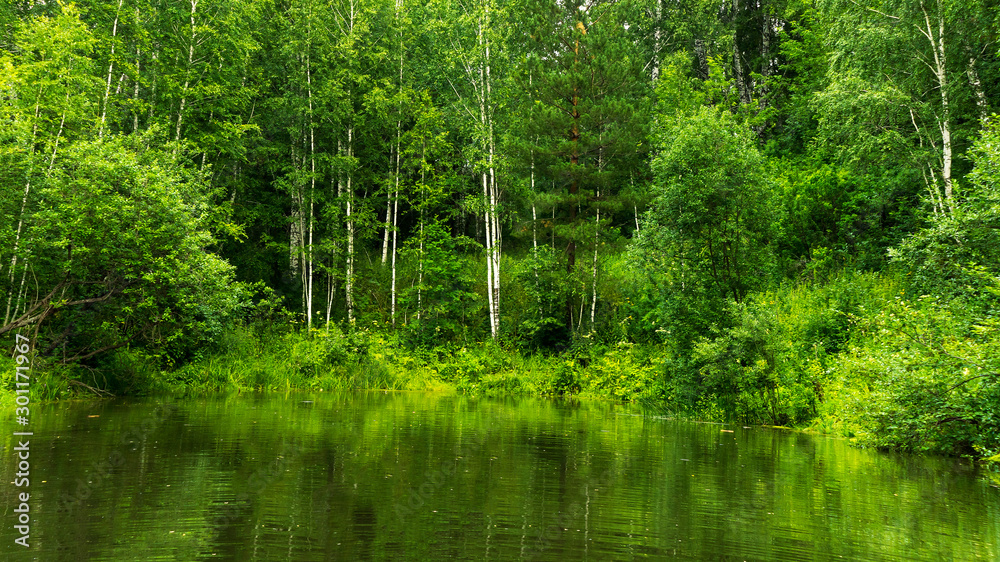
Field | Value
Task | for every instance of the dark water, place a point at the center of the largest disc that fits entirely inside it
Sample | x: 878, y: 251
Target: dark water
x: 424, y: 477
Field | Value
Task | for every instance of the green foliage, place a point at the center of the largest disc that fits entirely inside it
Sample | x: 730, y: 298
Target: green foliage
x: 153, y: 157
x: 706, y: 238
x: 958, y: 253
x: 585, y: 104
x: 834, y: 216
x: 468, y: 365
x: 444, y: 295
x: 120, y: 242
x: 547, y: 333
x: 566, y: 380
x: 804, y: 62
x: 923, y: 376
x: 248, y: 359
x: 624, y: 372
x: 539, y: 280
x: 772, y: 365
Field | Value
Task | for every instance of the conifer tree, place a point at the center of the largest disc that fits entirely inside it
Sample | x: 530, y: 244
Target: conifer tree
x: 588, y: 114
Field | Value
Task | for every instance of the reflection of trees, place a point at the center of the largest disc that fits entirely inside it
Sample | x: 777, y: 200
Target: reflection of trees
x: 591, y: 477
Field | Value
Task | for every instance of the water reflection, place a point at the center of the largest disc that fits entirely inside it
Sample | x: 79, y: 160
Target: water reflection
x: 371, y: 476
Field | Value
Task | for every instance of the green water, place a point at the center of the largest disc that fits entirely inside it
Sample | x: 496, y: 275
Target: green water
x: 424, y: 477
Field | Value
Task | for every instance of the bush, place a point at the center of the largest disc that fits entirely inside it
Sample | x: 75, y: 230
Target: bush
x: 625, y: 372
x: 922, y: 376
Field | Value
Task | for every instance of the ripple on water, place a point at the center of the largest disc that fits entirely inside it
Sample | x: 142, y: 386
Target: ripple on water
x: 357, y: 476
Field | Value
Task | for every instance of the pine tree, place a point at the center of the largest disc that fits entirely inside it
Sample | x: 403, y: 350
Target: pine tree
x: 588, y: 115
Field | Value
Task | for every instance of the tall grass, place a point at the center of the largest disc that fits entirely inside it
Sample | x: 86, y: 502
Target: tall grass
x: 246, y: 359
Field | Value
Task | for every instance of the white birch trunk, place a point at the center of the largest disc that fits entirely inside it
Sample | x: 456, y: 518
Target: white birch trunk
x: 111, y: 66
x: 187, y: 72
x: 138, y: 73
x: 24, y: 206
x: 493, y: 246
x: 738, y: 71
x: 17, y: 248
x: 420, y: 235
x: 331, y: 291
x: 941, y: 75
x: 534, y: 236
x: 395, y: 199
x: 657, y: 40
x: 489, y: 252
x: 309, y: 262
x: 308, y: 270
x: 977, y: 89
x: 395, y: 242
x: 593, y: 300
x: 331, y: 278
x: 349, y: 280
x: 388, y: 214
x: 296, y: 230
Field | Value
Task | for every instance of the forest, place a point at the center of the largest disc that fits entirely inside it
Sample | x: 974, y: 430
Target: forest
x: 784, y: 212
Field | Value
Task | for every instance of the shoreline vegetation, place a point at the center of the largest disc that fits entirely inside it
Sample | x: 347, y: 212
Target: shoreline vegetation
x: 822, y: 357
x: 778, y: 212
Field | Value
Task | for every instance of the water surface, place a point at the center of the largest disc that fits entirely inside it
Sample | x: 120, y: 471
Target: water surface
x: 409, y: 476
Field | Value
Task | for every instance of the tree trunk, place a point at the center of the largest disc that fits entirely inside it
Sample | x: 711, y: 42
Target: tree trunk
x: 701, y: 53
x: 977, y: 89
x: 388, y: 215
x: 395, y: 242
x: 331, y: 292
x: 739, y: 73
x: 420, y: 233
x: 489, y: 252
x: 308, y: 271
x: 111, y: 66
x: 331, y: 283
x: 187, y: 73
x: 395, y: 199
x: 941, y: 75
x: 657, y: 39
x: 349, y: 280
x: 597, y: 229
x: 135, y: 93
x: 574, y: 186
x: 534, y: 235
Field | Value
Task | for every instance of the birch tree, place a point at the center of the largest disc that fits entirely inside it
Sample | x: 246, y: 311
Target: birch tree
x: 477, y: 40
x: 353, y: 62
x: 50, y: 104
x: 915, y: 52
x: 306, y: 31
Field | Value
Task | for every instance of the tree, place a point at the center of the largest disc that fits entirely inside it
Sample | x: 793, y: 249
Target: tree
x: 119, y: 246
x: 49, y: 104
x: 477, y: 43
x: 442, y: 291
x: 957, y: 255
x: 587, y: 122
x: 915, y: 64
x: 706, y: 237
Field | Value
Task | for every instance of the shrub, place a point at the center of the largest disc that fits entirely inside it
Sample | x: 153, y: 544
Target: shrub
x: 923, y: 376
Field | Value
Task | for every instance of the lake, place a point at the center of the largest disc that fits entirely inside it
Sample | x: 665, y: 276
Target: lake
x: 414, y: 476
